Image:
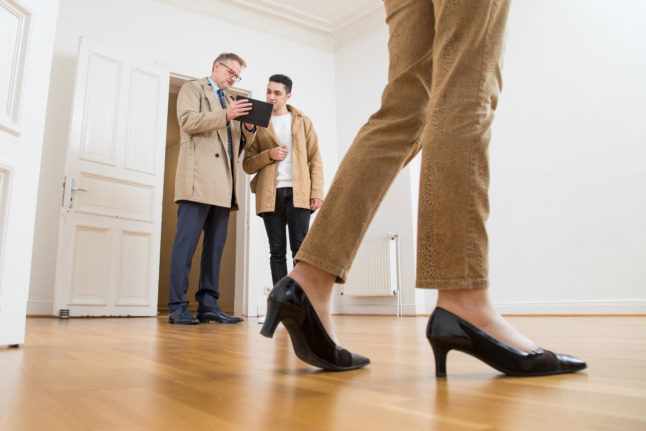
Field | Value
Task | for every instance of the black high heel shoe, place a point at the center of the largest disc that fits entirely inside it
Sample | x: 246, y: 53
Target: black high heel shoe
x: 288, y: 303
x: 446, y: 331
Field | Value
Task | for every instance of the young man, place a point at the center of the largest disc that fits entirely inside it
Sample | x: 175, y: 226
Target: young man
x: 289, y: 174
x: 205, y: 185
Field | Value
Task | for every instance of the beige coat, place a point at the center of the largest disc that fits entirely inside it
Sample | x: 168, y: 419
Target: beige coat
x: 203, y: 167
x: 307, y: 171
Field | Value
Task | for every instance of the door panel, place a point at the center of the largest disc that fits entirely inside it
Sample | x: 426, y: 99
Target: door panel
x: 136, y: 250
x: 101, y: 103
x: 90, y: 274
x: 114, y: 180
x: 115, y: 198
x: 143, y: 122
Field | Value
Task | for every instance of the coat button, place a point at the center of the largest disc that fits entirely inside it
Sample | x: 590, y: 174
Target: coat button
x: 217, y: 155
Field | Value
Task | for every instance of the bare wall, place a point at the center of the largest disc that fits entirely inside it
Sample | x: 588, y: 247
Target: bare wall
x: 567, y: 154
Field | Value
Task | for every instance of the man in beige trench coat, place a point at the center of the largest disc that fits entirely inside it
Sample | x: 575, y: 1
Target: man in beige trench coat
x: 205, y: 185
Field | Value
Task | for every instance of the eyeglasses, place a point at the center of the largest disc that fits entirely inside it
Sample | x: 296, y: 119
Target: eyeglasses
x: 232, y: 72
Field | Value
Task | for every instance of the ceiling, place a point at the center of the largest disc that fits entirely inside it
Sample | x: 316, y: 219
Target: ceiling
x: 329, y: 24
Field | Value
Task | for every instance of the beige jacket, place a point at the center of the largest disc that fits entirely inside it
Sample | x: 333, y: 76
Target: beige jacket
x: 307, y: 171
x: 203, y: 167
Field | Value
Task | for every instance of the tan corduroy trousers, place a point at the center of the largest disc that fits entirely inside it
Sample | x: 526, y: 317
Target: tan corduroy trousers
x: 444, y: 80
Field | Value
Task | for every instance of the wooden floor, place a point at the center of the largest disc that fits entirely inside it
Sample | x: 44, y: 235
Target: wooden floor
x: 144, y: 374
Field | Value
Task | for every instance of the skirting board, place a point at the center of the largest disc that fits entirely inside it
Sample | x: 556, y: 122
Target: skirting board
x: 633, y: 306
x: 579, y: 307
x: 374, y: 309
x: 43, y: 308
x: 40, y: 308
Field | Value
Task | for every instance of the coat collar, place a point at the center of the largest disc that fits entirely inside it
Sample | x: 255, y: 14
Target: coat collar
x: 208, y: 90
x: 296, y: 116
x: 295, y: 112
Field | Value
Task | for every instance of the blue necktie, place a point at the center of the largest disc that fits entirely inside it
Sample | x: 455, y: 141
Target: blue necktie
x: 224, y: 106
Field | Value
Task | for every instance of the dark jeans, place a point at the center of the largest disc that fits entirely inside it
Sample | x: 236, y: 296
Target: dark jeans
x: 298, y: 222
x: 192, y: 219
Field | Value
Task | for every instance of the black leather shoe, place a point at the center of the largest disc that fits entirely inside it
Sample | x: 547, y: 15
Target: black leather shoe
x: 181, y: 316
x: 217, y: 316
x: 446, y: 331
x: 288, y: 303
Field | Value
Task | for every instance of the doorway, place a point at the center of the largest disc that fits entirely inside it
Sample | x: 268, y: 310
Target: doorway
x: 233, y: 267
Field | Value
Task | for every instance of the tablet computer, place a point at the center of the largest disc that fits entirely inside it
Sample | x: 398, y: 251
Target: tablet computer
x: 260, y: 113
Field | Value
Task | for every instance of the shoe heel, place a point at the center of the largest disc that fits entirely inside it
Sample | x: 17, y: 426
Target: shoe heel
x: 271, y: 320
x: 440, y: 350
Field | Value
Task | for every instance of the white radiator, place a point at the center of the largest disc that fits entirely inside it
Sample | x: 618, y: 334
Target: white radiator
x: 375, y: 271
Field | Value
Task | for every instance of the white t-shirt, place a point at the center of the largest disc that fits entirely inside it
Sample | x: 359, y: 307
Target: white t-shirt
x: 282, y: 125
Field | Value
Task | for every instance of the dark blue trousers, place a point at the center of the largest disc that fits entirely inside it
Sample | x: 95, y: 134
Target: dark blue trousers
x: 192, y: 219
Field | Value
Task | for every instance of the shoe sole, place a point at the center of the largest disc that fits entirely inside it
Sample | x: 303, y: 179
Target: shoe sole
x: 218, y: 321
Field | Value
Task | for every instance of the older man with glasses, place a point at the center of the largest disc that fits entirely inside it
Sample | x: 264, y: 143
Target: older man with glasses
x: 205, y: 185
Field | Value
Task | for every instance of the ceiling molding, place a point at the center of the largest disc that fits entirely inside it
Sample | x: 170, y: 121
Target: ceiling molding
x: 297, y: 16
x: 361, y: 14
x: 268, y: 16
x: 369, y: 23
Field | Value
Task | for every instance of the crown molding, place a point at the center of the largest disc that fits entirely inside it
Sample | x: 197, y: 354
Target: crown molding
x: 368, y: 23
x: 270, y: 17
x: 275, y: 9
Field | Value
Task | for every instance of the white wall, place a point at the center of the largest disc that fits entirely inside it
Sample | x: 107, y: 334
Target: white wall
x: 567, y: 229
x: 568, y: 202
x: 185, y: 43
x: 567, y: 205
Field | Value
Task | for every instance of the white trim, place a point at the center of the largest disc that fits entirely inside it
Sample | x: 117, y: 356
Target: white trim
x: 376, y: 309
x: 40, y: 308
x: 268, y: 16
x: 288, y: 13
x: 370, y: 22
x: 357, y: 16
x: 628, y: 306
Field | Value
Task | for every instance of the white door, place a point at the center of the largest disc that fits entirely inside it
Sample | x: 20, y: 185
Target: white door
x: 110, y: 221
x: 27, y: 29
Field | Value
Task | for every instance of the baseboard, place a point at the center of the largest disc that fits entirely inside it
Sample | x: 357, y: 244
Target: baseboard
x: 40, y: 308
x: 374, y: 309
x: 628, y: 307
x: 636, y: 306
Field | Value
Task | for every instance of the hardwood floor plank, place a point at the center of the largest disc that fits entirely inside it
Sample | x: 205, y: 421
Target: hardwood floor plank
x: 144, y: 374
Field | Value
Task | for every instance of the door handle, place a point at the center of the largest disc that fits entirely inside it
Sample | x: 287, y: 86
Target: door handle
x: 73, y: 188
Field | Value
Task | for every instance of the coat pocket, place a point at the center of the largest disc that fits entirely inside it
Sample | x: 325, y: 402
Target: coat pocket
x: 252, y: 184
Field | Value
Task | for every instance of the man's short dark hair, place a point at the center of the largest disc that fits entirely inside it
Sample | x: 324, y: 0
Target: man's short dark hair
x: 282, y: 79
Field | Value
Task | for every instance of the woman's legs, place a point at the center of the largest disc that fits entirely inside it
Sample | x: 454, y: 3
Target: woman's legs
x: 389, y: 139
x: 459, y: 44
